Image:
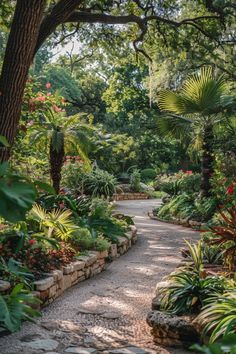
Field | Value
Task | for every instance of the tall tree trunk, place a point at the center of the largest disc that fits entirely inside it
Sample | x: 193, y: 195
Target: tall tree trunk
x: 56, y: 163
x: 207, y: 163
x: 18, y: 58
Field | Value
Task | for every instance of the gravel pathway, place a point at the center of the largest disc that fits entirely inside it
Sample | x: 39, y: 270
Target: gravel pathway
x: 108, y: 311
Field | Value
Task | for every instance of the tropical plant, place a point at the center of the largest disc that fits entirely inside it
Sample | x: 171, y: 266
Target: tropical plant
x: 226, y: 345
x: 56, y: 223
x: 96, y: 183
x: 218, y: 316
x: 224, y: 235
x: 16, y: 307
x: 17, y: 194
x: 14, y: 271
x: 61, y: 133
x: 193, y: 113
x: 188, y: 291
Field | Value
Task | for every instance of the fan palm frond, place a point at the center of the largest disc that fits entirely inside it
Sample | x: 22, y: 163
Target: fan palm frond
x: 174, y: 126
x: 200, y: 94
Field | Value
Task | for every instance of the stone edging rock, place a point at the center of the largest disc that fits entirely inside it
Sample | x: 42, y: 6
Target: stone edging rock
x: 48, y: 289
x: 130, y: 196
x: 171, y: 330
x: 184, y: 222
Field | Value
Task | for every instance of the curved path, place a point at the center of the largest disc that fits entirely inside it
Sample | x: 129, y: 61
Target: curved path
x: 109, y: 310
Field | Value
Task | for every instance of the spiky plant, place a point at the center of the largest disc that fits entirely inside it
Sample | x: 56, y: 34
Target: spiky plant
x: 194, y: 112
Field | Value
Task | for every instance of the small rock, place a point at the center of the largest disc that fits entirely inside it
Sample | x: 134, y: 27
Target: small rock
x: 43, y: 344
x: 88, y: 311
x: 4, y: 285
x: 52, y: 353
x: 111, y: 315
x: 50, y: 325
x: 81, y: 350
x: 129, y: 350
x: 29, y: 338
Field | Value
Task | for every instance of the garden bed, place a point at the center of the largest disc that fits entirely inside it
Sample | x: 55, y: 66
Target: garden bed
x: 51, y: 287
x: 196, y: 225
x: 130, y: 196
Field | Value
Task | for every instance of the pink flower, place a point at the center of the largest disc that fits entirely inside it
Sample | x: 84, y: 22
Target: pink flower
x: 49, y: 94
x: 62, y: 205
x: 189, y: 172
x: 30, y: 123
x: 48, y: 85
x: 41, y: 98
x: 56, y: 109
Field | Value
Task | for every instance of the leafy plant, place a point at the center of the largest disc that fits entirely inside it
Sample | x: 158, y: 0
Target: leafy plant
x: 148, y: 175
x: 17, y: 195
x: 56, y: 223
x: 188, y: 291
x: 96, y: 183
x: 16, y: 307
x: 224, y: 235
x: 13, y: 271
x: 225, y: 346
x: 135, y: 180
x: 219, y: 315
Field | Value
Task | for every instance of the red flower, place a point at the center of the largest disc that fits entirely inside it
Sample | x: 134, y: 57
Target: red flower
x: 189, y: 172
x: 48, y: 85
x: 230, y: 189
x: 32, y: 242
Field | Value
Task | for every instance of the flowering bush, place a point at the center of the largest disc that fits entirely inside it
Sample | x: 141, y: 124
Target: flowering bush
x: 187, y: 182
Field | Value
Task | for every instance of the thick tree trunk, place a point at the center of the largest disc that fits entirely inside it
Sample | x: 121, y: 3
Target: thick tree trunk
x: 18, y: 58
x: 207, y: 163
x: 56, y: 163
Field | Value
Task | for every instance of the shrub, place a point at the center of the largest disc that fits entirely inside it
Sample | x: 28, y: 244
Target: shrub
x: 219, y: 316
x: 135, y: 180
x: 188, y: 292
x: 148, y: 175
x: 178, y: 183
x: 96, y: 183
x: 224, y: 235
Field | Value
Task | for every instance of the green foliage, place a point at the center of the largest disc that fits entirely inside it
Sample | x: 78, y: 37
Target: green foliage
x: 219, y: 316
x: 135, y: 180
x: 95, y: 183
x: 57, y: 223
x: 148, y: 174
x: 181, y: 182
x: 188, y: 206
x: 16, y: 307
x: 226, y: 345
x: 188, y: 291
x: 15, y: 272
x: 17, y: 195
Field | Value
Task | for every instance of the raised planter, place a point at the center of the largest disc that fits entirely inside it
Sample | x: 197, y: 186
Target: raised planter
x: 171, y: 330
x: 130, y: 196
x: 51, y: 287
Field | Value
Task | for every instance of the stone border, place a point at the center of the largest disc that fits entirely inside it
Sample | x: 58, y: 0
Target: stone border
x: 130, y: 196
x: 50, y: 288
x: 196, y: 225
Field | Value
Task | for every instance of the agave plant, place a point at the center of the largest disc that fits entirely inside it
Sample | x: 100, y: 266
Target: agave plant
x: 219, y: 316
x: 193, y: 114
x: 56, y: 223
x: 224, y: 235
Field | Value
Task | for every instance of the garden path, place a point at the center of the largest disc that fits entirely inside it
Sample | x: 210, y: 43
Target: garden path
x: 109, y: 311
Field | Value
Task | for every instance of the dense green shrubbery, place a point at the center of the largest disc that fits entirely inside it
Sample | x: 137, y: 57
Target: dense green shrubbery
x: 94, y: 183
x: 148, y: 175
x: 178, y: 183
x: 188, y: 206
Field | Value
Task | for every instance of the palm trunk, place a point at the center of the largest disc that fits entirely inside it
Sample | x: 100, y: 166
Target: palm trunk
x: 18, y: 58
x: 207, y: 163
x: 56, y: 163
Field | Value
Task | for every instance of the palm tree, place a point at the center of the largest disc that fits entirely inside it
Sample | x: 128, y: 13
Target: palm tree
x: 59, y: 133
x: 193, y: 115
